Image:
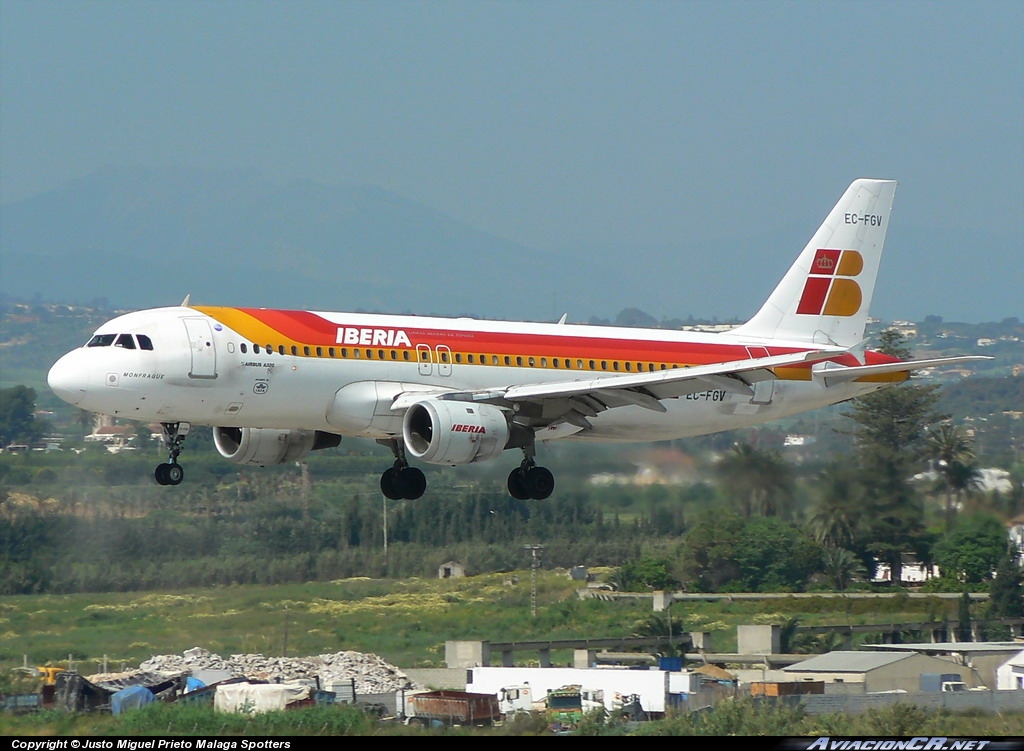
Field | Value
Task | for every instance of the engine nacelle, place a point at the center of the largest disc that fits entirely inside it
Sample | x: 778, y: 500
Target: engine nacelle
x: 451, y: 432
x: 261, y: 447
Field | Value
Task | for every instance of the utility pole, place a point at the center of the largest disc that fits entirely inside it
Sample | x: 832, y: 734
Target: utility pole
x: 534, y: 565
x: 384, y: 525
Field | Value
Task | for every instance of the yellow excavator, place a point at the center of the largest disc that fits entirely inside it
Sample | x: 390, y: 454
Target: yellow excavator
x: 47, y: 677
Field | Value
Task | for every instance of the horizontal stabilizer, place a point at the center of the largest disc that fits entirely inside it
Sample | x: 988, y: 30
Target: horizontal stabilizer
x: 837, y: 373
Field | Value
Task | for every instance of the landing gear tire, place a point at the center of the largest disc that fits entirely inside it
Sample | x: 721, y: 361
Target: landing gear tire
x: 169, y: 474
x: 397, y: 483
x: 531, y: 482
x: 540, y: 483
x: 517, y: 485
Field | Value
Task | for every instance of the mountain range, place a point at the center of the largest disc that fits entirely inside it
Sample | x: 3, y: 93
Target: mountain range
x: 138, y: 237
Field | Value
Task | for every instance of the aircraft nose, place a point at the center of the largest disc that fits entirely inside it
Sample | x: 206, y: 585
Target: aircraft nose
x: 67, y: 380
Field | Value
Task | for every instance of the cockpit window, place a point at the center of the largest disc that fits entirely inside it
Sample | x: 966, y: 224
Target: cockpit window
x: 102, y: 340
x: 125, y: 341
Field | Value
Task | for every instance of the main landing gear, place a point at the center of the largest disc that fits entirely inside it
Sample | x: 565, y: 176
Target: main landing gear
x: 401, y: 480
x: 174, y: 434
x: 528, y: 481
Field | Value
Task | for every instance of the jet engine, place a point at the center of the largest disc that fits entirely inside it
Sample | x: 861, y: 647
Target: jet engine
x: 452, y: 432
x: 264, y: 446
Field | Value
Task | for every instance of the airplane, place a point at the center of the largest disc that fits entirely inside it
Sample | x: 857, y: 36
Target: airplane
x: 278, y: 384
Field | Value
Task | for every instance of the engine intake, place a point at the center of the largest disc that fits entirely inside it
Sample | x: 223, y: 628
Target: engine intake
x: 262, y: 447
x: 452, y: 432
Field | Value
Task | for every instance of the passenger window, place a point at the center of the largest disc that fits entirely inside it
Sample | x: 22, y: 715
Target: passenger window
x: 305, y: 351
x: 256, y: 349
x: 145, y: 342
x: 125, y: 341
x: 319, y: 351
x: 244, y: 348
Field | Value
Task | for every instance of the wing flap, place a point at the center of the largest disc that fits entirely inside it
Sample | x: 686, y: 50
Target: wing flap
x: 658, y: 378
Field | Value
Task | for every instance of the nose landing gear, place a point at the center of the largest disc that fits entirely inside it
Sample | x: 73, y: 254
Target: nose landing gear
x: 174, y: 434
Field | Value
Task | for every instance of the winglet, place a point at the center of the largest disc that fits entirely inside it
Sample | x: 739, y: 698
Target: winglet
x: 185, y: 302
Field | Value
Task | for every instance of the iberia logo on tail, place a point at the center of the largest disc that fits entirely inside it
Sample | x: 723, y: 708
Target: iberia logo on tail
x: 830, y: 289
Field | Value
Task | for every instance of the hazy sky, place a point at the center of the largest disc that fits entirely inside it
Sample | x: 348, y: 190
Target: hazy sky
x: 560, y: 125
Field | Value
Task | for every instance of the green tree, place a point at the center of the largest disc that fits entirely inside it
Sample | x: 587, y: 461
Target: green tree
x: 762, y: 554
x: 964, y: 614
x: 889, y: 440
x: 17, y: 416
x: 707, y: 559
x: 776, y: 556
x: 953, y: 458
x: 1006, y: 591
x: 842, y: 566
x: 972, y: 549
x: 838, y: 512
x: 759, y: 482
x: 647, y: 573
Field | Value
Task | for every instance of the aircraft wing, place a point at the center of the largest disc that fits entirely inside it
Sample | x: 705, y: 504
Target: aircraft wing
x: 547, y: 403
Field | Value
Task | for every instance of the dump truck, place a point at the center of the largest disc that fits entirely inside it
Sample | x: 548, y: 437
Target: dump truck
x: 449, y: 707
x: 565, y: 708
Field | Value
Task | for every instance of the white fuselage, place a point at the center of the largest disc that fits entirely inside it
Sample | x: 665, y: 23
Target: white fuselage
x: 202, y: 371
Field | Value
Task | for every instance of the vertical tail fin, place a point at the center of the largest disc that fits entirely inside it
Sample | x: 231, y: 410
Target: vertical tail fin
x: 825, y: 296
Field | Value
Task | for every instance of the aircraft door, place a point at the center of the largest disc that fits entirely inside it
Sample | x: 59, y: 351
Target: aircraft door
x: 444, y: 360
x: 423, y: 359
x: 204, y: 354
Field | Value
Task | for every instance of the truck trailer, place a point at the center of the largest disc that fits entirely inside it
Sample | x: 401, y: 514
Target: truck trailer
x: 449, y: 707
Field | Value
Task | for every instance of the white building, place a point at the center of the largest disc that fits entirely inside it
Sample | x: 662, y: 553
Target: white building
x: 1010, y: 675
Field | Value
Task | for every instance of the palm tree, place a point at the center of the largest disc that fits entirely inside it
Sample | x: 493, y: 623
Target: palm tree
x: 837, y: 513
x: 758, y: 480
x: 842, y: 567
x: 952, y: 455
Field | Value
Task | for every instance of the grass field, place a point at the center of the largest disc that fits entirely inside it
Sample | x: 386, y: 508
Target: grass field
x: 405, y: 622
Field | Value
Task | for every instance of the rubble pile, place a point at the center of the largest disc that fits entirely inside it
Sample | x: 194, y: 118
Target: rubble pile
x: 372, y: 675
